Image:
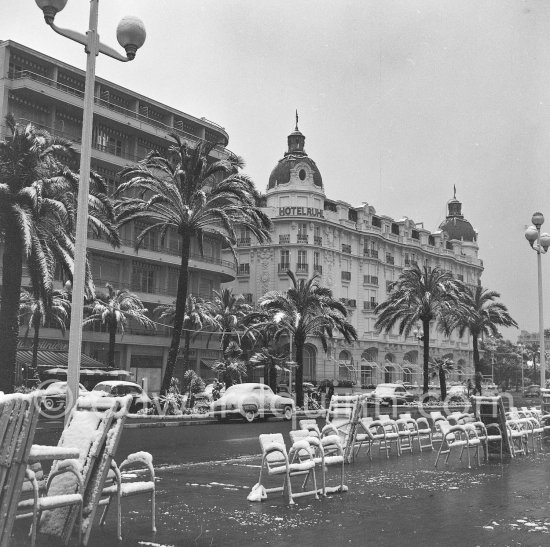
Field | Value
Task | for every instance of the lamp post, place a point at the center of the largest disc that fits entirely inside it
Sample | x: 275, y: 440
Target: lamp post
x: 521, y: 348
x: 418, y: 333
x: 131, y: 36
x: 540, y: 243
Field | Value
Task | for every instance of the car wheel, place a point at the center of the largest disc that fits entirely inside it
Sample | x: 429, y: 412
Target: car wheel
x: 249, y: 416
x: 287, y: 413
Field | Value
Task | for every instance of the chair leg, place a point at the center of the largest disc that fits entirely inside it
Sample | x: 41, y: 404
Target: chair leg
x: 80, y: 522
x: 35, y: 517
x: 104, y: 513
x: 153, y: 510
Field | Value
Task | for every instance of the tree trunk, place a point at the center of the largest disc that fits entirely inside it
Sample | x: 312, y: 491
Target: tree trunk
x: 179, y: 316
x: 186, y: 347
x: 426, y: 370
x: 300, y: 341
x: 35, y: 341
x: 477, y: 371
x: 9, y: 309
x: 112, y: 337
x: 442, y: 384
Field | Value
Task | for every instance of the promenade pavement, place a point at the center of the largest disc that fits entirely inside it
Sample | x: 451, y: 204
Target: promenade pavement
x: 400, y: 501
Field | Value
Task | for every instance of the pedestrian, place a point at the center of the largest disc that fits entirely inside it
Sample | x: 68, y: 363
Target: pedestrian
x: 330, y: 393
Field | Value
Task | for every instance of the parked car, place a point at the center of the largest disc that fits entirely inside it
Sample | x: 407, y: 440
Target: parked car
x: 55, y: 397
x: 119, y: 388
x: 457, y: 393
x: 251, y: 400
x: 532, y: 391
x: 389, y: 394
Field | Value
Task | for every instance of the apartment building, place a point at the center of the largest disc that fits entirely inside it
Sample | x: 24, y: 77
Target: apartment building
x: 359, y: 253
x: 48, y: 93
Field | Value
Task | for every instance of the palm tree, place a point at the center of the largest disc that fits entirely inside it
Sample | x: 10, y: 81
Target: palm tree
x: 195, y: 319
x: 480, y: 315
x: 306, y: 309
x: 188, y: 194
x: 418, y: 296
x: 36, y: 312
x: 227, y: 312
x: 37, y: 220
x: 232, y: 369
x: 440, y: 368
x: 114, y: 309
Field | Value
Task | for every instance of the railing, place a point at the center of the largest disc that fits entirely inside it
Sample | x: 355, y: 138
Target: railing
x: 284, y: 239
x: 124, y: 111
x: 370, y: 252
x: 244, y: 269
x: 243, y: 242
x: 302, y: 268
x: 369, y: 306
x: 318, y: 268
x: 302, y: 238
x: 318, y: 240
x: 282, y: 268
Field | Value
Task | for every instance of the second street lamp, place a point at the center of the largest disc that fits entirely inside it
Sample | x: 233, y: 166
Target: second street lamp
x: 540, y: 243
x: 131, y: 36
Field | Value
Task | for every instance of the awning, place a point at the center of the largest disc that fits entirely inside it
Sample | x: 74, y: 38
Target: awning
x: 53, y: 359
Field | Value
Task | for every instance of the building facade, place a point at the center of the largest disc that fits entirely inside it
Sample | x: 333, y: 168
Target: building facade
x: 48, y: 93
x: 358, y: 253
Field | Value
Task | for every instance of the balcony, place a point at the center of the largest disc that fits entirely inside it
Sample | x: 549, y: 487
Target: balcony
x: 284, y: 239
x: 346, y: 276
x: 390, y: 259
x: 303, y: 238
x: 346, y: 248
x: 283, y: 268
x: 318, y: 240
x: 318, y: 268
x: 369, y: 306
x: 348, y: 302
x: 372, y: 253
x: 104, y: 104
x: 302, y: 268
x: 243, y: 242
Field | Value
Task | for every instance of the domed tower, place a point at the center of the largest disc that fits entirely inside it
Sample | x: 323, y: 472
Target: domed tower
x: 456, y: 227
x: 296, y: 170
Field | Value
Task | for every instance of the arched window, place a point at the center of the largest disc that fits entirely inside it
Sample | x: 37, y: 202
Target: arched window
x: 344, y: 363
x: 367, y: 375
x: 407, y: 375
x: 370, y: 354
x: 411, y: 357
x: 389, y: 373
x: 390, y: 357
x: 309, y: 363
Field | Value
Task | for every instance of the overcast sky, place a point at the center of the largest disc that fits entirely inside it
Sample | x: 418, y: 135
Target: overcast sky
x: 399, y: 101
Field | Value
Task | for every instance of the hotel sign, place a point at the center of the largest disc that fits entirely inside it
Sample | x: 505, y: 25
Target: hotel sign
x: 300, y: 211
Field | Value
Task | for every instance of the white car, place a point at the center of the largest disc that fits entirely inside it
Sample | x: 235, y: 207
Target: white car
x: 251, y: 401
x: 119, y: 388
x: 55, y: 396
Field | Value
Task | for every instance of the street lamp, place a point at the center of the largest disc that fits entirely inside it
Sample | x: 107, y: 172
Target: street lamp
x: 521, y: 348
x: 131, y: 36
x: 540, y: 243
x: 418, y: 333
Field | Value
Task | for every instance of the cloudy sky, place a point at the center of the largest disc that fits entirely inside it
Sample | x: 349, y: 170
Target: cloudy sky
x: 399, y: 101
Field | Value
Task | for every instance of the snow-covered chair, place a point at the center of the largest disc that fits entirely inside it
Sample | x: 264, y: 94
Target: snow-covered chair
x: 367, y: 436
x: 421, y: 430
x: 18, y: 418
x: 78, y: 462
x: 342, y: 417
x: 518, y: 435
x: 405, y: 434
x: 387, y: 428
x: 327, y: 451
x: 461, y: 437
x: 276, y: 461
x: 490, y: 433
x: 118, y: 486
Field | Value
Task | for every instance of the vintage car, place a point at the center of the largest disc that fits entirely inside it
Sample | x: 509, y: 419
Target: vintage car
x: 390, y: 394
x: 251, y: 401
x: 55, y: 398
x: 119, y: 388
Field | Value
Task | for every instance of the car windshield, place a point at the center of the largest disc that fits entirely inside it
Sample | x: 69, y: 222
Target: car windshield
x: 126, y: 390
x: 62, y: 386
x: 102, y: 387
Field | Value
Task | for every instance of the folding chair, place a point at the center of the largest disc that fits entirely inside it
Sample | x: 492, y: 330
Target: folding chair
x: 421, y: 430
x: 405, y: 435
x: 331, y: 444
x: 18, y: 418
x: 518, y: 435
x: 117, y: 487
x: 276, y: 461
x: 487, y: 434
x: 343, y: 416
x: 457, y: 437
x: 385, y: 431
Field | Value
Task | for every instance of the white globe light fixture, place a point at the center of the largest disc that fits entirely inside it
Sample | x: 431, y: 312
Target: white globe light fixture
x: 131, y: 34
x: 539, y: 243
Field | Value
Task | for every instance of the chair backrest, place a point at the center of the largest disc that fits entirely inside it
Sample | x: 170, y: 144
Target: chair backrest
x: 86, y: 430
x: 436, y: 415
x: 406, y: 416
x: 384, y: 418
x: 311, y: 426
x: 269, y: 439
x: 18, y: 419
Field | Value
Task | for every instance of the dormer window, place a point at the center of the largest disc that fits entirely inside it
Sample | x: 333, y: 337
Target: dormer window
x: 302, y: 174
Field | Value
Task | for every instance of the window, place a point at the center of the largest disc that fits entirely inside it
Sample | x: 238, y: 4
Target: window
x: 302, y: 232
x: 144, y: 276
x: 285, y: 258
x: 367, y: 375
x: 415, y: 234
x: 346, y: 276
x: 302, y: 174
x: 395, y: 229
x: 317, y: 239
x: 389, y: 258
x: 352, y: 215
x: 244, y: 269
x: 346, y: 248
x: 431, y: 241
x: 376, y: 222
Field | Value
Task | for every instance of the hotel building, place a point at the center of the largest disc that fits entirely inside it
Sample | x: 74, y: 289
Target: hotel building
x: 48, y: 93
x: 359, y: 253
